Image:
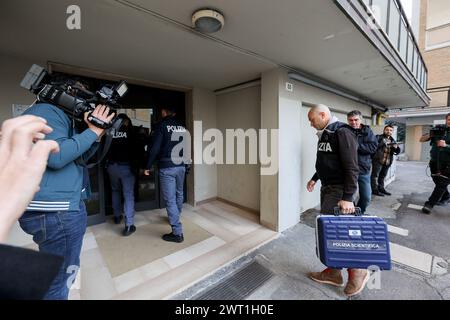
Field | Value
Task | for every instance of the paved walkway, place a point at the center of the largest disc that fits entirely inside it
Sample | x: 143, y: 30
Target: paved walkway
x: 419, y: 244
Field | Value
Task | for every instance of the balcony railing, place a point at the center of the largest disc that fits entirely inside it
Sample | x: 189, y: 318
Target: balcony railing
x: 391, y: 19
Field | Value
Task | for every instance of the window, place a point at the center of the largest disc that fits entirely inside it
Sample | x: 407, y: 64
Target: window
x: 438, y: 24
x: 403, y: 40
x: 410, y: 52
x: 394, y: 24
x: 379, y: 9
x: 420, y: 74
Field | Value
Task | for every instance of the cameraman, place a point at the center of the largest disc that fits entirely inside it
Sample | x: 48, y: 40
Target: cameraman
x: 56, y: 217
x: 439, y: 166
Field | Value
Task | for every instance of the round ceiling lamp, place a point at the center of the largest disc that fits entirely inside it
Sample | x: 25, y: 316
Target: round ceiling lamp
x: 207, y: 20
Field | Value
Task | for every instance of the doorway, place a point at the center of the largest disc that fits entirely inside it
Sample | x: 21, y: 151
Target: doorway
x: 143, y: 106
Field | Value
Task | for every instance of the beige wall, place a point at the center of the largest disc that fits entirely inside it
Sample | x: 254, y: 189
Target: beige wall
x: 12, y: 72
x: 239, y: 183
x: 205, y: 176
x: 437, y: 60
x: 438, y: 13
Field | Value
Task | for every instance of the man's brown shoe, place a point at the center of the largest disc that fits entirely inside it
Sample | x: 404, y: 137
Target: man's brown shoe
x: 328, y: 276
x: 357, y: 279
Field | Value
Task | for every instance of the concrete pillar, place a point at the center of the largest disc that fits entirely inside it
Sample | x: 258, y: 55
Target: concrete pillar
x: 413, y: 146
x: 269, y: 120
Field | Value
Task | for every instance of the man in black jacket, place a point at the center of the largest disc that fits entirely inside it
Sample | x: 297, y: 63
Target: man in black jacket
x: 367, y: 146
x: 120, y: 159
x: 337, y: 168
x: 172, y: 169
x: 383, y: 159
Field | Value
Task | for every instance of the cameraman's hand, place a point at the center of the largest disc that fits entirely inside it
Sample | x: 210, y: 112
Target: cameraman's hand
x: 23, y: 160
x: 425, y: 138
x: 441, y: 144
x: 100, y: 112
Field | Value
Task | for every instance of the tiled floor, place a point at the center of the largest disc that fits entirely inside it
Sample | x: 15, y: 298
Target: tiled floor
x: 234, y: 231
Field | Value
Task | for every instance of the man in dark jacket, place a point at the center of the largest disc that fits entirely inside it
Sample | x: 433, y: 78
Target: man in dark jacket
x: 171, y: 169
x: 439, y: 166
x: 120, y: 159
x: 383, y: 159
x: 337, y: 168
x: 367, y: 146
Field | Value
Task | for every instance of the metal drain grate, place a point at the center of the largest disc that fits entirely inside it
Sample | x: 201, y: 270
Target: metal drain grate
x: 239, y: 285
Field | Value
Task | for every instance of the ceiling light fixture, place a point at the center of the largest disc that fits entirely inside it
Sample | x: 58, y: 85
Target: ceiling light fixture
x: 208, y: 20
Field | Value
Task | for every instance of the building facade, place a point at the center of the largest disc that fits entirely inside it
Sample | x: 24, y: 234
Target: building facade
x: 263, y: 70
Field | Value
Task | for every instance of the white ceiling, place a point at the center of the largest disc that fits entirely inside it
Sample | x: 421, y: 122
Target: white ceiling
x: 309, y: 35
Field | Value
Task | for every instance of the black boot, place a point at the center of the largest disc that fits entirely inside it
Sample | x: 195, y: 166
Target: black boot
x: 377, y: 193
x: 383, y: 190
x: 427, y: 208
x: 173, y: 237
x: 128, y: 230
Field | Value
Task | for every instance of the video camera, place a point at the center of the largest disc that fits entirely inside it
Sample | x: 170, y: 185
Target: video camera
x: 70, y: 95
x: 438, y: 132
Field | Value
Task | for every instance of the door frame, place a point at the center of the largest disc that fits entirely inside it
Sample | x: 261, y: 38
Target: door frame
x: 53, y: 66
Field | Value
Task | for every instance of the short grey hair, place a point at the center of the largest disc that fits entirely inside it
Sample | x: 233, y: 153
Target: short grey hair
x: 354, y: 113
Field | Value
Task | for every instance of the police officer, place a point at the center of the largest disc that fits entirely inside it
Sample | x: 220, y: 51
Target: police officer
x: 439, y: 166
x: 337, y: 168
x: 171, y: 169
x: 120, y: 169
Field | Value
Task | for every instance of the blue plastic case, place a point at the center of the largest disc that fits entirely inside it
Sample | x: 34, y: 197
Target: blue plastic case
x: 349, y: 241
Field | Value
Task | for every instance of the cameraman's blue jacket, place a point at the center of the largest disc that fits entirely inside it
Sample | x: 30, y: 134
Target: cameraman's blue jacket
x: 62, y: 183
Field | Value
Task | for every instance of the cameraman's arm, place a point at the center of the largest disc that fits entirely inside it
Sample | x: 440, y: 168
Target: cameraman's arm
x: 92, y: 150
x: 75, y: 146
x: 102, y: 113
x: 425, y: 138
x: 70, y: 148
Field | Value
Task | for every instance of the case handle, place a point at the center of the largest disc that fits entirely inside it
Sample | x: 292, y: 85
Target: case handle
x: 337, y: 211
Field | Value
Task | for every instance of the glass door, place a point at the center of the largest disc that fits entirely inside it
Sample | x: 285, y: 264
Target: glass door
x: 95, y: 205
x: 146, y: 187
